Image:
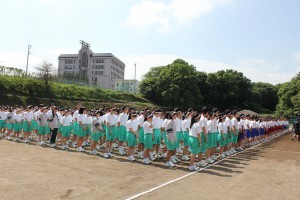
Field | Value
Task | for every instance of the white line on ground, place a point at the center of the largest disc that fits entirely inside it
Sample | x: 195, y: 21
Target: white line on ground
x: 285, y: 151
x: 191, y: 173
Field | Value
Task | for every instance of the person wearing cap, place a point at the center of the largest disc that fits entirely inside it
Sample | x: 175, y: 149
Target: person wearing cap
x: 66, y: 127
x: 157, y: 127
x: 195, y: 141
x: 140, y: 121
x: 111, y: 132
x: 171, y: 140
x: 148, y: 138
x: 186, y: 124
x: 43, y: 123
x: 132, y: 135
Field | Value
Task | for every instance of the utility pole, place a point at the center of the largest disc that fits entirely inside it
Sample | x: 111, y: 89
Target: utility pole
x: 134, y: 78
x: 28, y: 52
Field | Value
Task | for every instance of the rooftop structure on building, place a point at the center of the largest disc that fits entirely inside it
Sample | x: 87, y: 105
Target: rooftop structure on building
x: 87, y: 67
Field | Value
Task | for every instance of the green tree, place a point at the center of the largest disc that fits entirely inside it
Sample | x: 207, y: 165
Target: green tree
x: 264, y: 95
x: 289, y: 97
x: 174, y: 85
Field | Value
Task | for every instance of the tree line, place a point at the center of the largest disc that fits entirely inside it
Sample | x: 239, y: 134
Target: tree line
x: 179, y: 84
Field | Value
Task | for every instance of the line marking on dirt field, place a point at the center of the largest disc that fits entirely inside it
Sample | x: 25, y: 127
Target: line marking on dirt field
x: 191, y: 173
x: 285, y: 151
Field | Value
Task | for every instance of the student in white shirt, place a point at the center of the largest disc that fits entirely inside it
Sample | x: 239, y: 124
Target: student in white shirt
x: 132, y: 136
x: 96, y: 132
x: 122, y: 121
x: 140, y: 121
x: 195, y: 141
x: 204, y: 138
x: 75, y: 126
x: 27, y: 125
x: 235, y: 131
x: 148, y: 138
x: 186, y: 124
x: 111, y: 132
x: 82, y: 128
x: 66, y: 126
x: 157, y: 127
x: 17, y: 124
x: 222, y: 135
x: 171, y: 140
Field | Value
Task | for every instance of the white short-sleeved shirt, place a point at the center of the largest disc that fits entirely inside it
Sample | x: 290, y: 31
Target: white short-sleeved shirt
x: 28, y: 116
x: 147, y: 129
x: 75, y: 115
x: 241, y: 124
x: 156, y: 122
x: 209, y: 126
x: 165, y: 123
x: 195, y: 130
x: 178, y: 125
x: 246, y: 124
x: 235, y: 123
x: 141, y: 120
x: 82, y: 118
x: 2, y: 115
x: 123, y: 118
x: 111, y: 119
x: 132, y: 124
x: 222, y: 127
x: 66, y: 120
x: 203, y: 122
x: 17, y: 117
x: 186, y: 125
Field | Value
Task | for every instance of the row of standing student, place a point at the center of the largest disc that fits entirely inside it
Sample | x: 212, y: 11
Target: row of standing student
x: 181, y: 133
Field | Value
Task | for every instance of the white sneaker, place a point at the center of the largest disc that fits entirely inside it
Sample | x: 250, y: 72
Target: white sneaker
x: 140, y: 155
x: 121, y: 152
x: 52, y: 145
x: 222, y: 156
x: 164, y: 155
x: 63, y: 147
x: 110, y: 154
x: 179, y: 151
x: 157, y: 156
x: 201, y: 164
x: 74, y: 145
x: 114, y: 145
x: 169, y: 164
x: 173, y: 160
x: 131, y: 158
x: 152, y: 157
x: 185, y: 158
x: 227, y: 153
x: 193, y: 168
x: 146, y: 161
x: 106, y: 155
x: 210, y: 161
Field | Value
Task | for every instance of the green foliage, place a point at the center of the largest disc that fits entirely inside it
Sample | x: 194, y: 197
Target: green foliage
x: 265, y: 95
x: 289, y: 97
x: 37, y: 88
x: 174, y: 85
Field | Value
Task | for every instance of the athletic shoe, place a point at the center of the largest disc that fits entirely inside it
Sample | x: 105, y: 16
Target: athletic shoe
x: 185, y: 158
x: 146, y: 161
x: 106, y: 155
x: 169, y: 164
x: 179, y: 151
x: 152, y: 158
x: 114, y: 145
x: 131, y: 158
x: 140, y: 155
x: 202, y: 163
x: 52, y: 145
x: 98, y: 147
x: 210, y: 161
x: 110, y: 154
x: 193, y: 168
x: 227, y: 153
x: 173, y: 160
x: 74, y: 145
x: 63, y: 147
x: 157, y: 156
x: 222, y: 156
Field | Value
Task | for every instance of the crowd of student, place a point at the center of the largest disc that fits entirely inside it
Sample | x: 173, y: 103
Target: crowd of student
x: 149, y: 134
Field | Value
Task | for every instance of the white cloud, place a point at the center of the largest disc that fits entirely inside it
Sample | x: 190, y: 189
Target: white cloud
x: 150, y: 14
x: 257, y: 70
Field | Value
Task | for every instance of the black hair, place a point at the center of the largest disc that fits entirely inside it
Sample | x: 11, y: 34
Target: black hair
x: 204, y: 110
x: 81, y: 110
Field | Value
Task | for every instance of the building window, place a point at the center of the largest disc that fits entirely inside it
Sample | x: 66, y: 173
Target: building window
x: 99, y: 60
x: 95, y: 79
x: 68, y: 61
x: 131, y: 83
x: 98, y: 72
x: 99, y: 67
x: 68, y: 67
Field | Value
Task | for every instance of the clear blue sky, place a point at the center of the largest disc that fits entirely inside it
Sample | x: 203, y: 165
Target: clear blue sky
x: 257, y: 37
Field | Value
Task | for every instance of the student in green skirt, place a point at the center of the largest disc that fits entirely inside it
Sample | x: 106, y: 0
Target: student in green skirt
x: 222, y: 135
x: 2, y: 120
x: 96, y: 132
x: 9, y: 123
x: 43, y: 124
x: 132, y: 135
x: 27, y: 125
x: 82, y: 128
x: 148, y: 138
x: 141, y: 145
x: 111, y: 132
x: 195, y: 141
x: 17, y: 125
x: 186, y: 124
x: 66, y: 126
x: 122, y: 120
x: 210, y: 136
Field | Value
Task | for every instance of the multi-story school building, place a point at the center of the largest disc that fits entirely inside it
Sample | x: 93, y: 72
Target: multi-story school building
x: 101, y: 69
x: 123, y: 85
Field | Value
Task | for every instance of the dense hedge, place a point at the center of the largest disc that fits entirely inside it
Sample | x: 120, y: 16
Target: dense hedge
x: 37, y: 88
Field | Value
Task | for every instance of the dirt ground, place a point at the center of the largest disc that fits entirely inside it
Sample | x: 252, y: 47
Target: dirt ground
x: 269, y: 171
